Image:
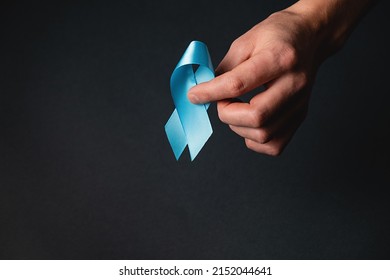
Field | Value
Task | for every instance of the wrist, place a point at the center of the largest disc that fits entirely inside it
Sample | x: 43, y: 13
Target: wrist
x: 319, y: 17
x: 330, y: 22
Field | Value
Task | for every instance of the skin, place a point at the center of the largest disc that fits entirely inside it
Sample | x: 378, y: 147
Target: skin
x: 281, y: 53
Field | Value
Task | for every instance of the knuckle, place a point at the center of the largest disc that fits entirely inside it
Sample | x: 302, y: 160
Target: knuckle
x: 235, y: 44
x: 241, y: 48
x: 274, y: 151
x: 262, y: 136
x: 222, y: 115
x: 301, y: 80
x: 249, y: 144
x: 237, y: 47
x: 288, y: 57
x: 235, y: 86
x: 257, y: 118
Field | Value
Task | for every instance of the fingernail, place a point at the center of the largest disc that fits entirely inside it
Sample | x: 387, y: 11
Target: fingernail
x: 193, y: 98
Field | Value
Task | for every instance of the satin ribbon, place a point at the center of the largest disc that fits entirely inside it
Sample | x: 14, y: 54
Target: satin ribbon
x: 189, y: 123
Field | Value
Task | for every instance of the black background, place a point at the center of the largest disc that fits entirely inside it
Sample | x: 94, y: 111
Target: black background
x: 86, y: 171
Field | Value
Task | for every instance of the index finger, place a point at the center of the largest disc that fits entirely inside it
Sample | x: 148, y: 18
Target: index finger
x: 248, y: 75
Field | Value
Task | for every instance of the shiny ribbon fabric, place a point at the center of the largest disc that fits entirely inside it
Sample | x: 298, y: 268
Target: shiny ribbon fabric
x: 189, y: 123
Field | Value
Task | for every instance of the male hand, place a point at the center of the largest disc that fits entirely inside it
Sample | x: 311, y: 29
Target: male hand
x: 281, y: 54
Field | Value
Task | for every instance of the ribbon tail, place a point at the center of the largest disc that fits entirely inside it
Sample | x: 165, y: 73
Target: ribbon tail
x: 176, y: 135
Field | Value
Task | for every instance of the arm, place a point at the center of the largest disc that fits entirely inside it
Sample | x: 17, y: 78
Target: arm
x: 283, y: 53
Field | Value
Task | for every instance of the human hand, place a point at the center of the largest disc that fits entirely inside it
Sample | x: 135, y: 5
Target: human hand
x: 281, y: 54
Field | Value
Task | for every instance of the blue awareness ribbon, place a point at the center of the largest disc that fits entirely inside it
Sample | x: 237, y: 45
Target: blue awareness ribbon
x: 189, y: 123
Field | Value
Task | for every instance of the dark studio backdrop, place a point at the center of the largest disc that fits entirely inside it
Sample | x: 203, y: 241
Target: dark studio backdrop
x: 86, y: 171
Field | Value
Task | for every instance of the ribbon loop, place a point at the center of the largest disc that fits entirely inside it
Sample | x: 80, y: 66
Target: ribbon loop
x: 189, y: 123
